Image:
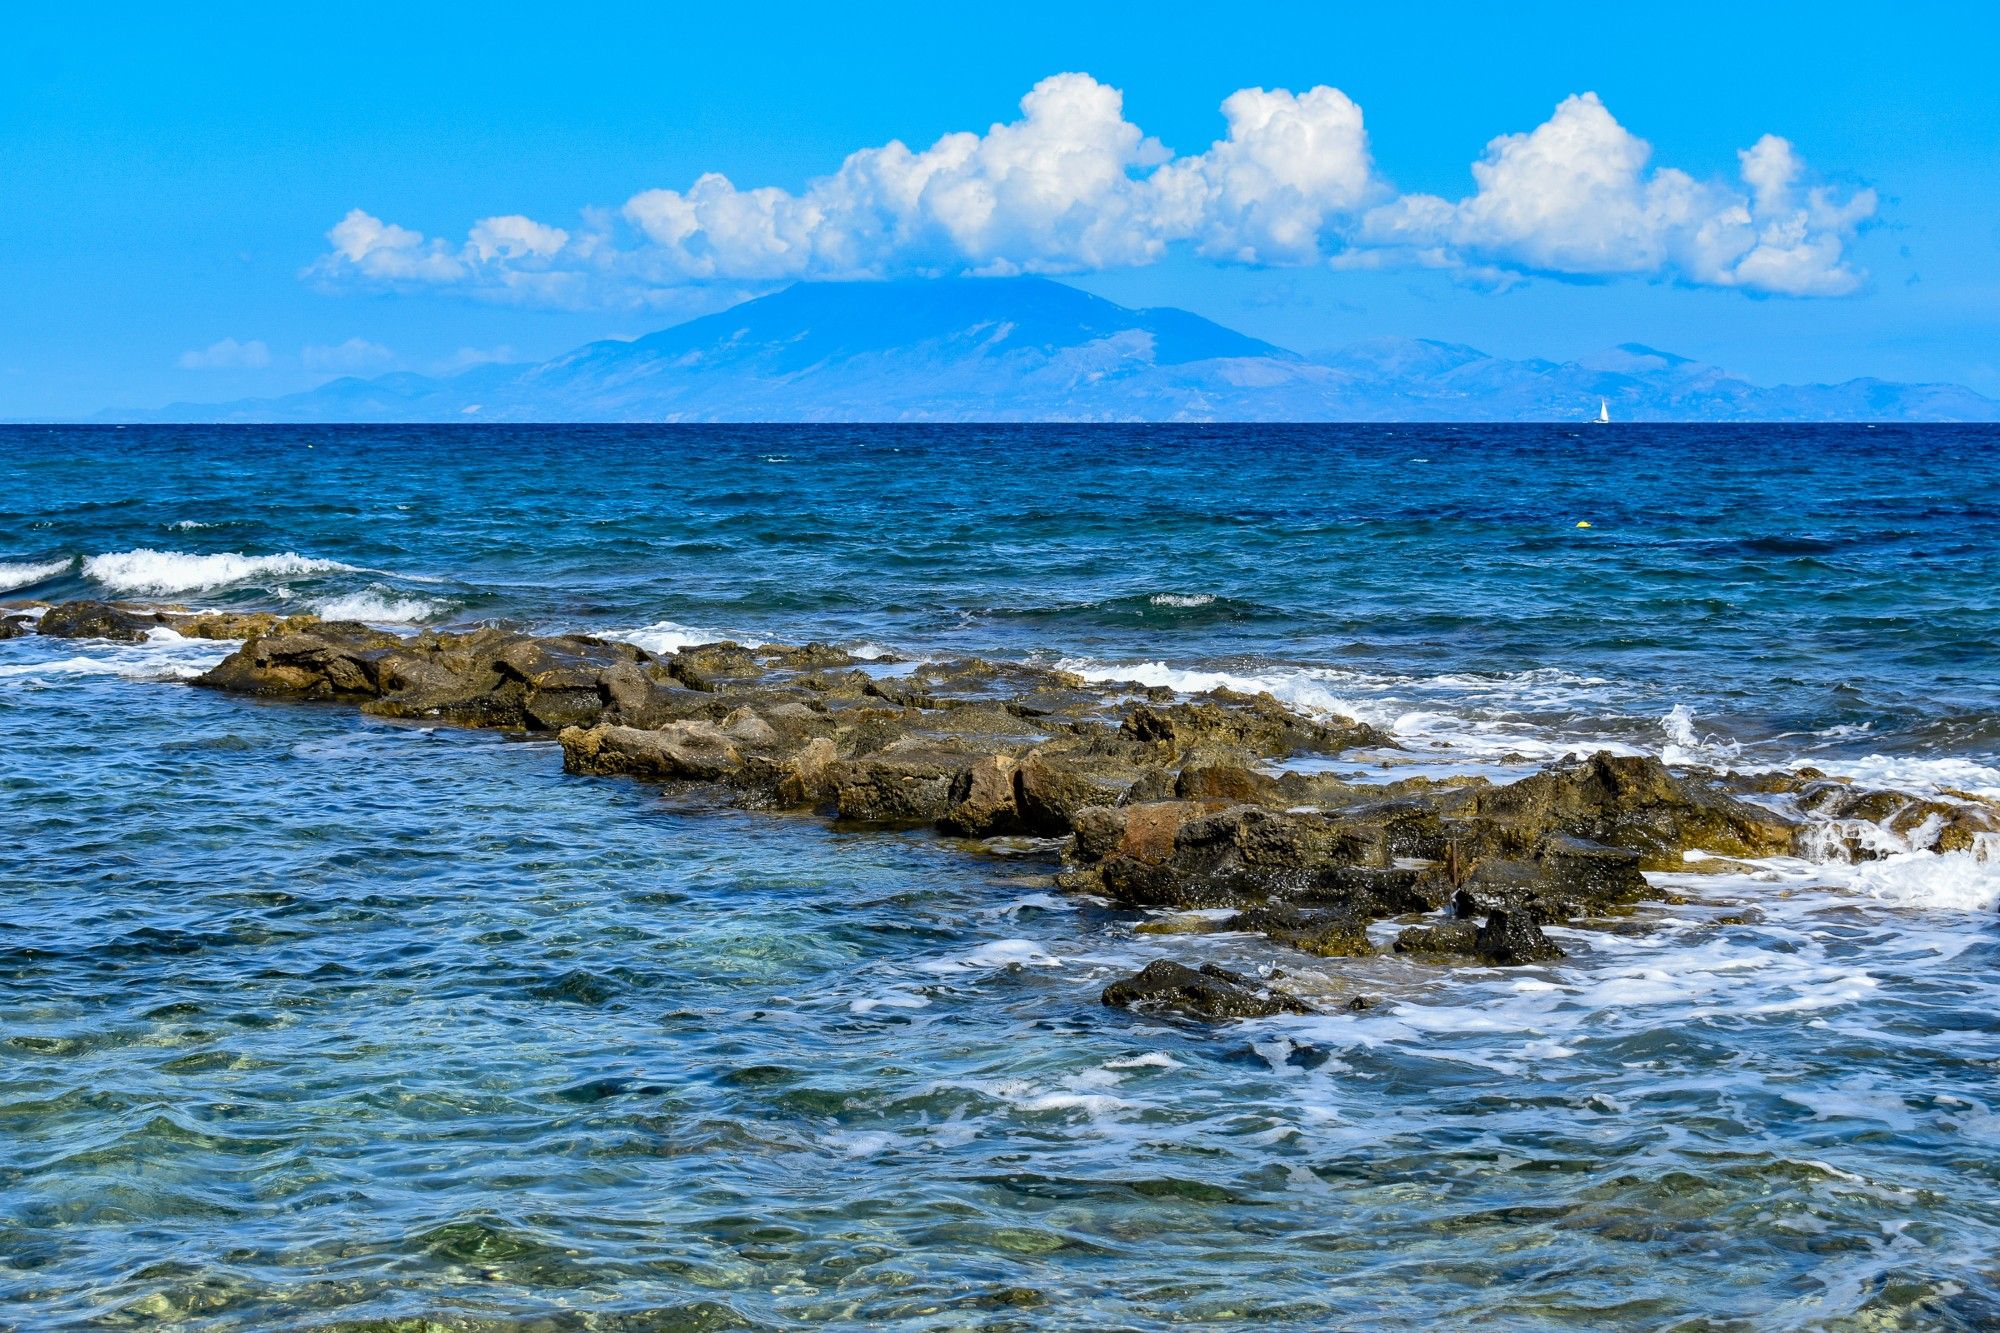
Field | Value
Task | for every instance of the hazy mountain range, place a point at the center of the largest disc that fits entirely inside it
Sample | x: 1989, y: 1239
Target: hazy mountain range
x: 1028, y: 349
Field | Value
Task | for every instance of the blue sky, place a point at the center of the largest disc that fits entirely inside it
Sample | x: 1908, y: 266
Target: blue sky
x: 211, y: 203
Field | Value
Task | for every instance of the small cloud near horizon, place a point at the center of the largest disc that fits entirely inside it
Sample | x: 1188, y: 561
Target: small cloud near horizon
x: 352, y: 355
x: 1072, y: 186
x: 226, y: 354
x: 465, y: 358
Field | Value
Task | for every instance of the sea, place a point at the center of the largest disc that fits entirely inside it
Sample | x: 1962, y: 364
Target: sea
x: 311, y: 1020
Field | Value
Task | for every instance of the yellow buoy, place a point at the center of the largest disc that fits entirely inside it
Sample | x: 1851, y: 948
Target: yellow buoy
x: 1583, y: 524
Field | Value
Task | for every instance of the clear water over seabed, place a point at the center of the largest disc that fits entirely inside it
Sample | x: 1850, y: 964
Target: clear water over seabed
x: 313, y: 1020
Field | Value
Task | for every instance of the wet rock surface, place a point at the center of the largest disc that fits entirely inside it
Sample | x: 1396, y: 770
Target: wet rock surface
x: 1154, y: 801
x: 1210, y: 993
x: 123, y: 622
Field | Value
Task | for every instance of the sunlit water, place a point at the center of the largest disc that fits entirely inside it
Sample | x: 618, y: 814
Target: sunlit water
x: 313, y: 1020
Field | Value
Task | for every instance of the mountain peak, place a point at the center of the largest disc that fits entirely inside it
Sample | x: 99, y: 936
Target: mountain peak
x: 1634, y: 358
x: 815, y: 321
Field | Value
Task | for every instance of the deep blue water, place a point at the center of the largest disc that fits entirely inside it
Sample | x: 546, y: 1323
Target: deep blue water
x: 308, y: 1019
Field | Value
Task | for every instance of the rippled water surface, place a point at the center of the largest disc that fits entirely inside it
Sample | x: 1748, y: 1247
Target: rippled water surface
x: 311, y: 1020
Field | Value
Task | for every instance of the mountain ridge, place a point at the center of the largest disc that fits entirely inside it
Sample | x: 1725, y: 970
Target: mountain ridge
x: 1031, y: 349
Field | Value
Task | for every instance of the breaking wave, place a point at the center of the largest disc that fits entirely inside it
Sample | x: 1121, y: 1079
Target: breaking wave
x: 670, y: 636
x: 27, y: 574
x: 166, y: 572
x: 380, y: 607
x: 1302, y: 689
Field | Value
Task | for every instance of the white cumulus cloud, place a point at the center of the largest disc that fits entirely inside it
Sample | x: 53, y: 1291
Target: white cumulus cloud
x: 1071, y: 185
x: 1575, y: 197
x: 354, y: 354
x: 1052, y: 191
x: 1291, y: 168
x: 515, y: 237
x: 379, y: 249
x: 226, y: 354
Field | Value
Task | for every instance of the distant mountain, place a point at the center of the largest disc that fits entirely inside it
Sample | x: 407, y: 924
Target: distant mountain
x: 1028, y: 349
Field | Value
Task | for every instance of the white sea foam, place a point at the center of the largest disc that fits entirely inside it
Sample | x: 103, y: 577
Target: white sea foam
x: 1506, y: 725
x: 1033, y: 902
x: 1150, y: 1060
x: 1302, y: 689
x: 670, y: 636
x: 1911, y: 774
x: 377, y: 607
x: 67, y: 666
x: 1182, y: 599
x: 1686, y: 745
x: 164, y: 655
x: 1966, y: 881
x: 992, y: 957
x: 165, y: 572
x: 1079, y: 1094
x: 896, y: 997
x: 189, y: 524
x: 25, y: 574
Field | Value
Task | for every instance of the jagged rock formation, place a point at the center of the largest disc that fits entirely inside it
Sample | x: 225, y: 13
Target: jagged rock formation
x: 1159, y: 801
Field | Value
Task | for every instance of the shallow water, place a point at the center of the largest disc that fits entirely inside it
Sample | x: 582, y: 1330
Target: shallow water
x: 314, y: 1020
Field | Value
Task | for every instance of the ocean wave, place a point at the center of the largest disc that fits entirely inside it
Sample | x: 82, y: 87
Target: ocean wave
x: 670, y: 636
x: 26, y: 574
x: 1299, y: 688
x: 1165, y: 610
x: 165, y: 572
x: 377, y: 606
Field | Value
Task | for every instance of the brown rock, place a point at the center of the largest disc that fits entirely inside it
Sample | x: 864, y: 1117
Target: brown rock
x: 100, y: 620
x: 1143, y: 832
x: 1624, y: 801
x: 1049, y: 788
x: 904, y: 783
x: 1228, y: 783
x: 983, y: 801
x: 694, y: 751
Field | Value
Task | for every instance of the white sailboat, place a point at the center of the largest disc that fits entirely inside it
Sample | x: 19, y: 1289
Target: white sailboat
x: 1603, y: 413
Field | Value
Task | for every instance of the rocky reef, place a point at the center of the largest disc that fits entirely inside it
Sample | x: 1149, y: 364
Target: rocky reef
x: 1181, y: 805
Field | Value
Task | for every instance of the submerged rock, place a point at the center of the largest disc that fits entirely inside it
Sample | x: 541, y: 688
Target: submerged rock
x: 1566, y: 878
x: 1450, y: 938
x: 1208, y: 992
x: 1509, y: 937
x: 1330, y: 934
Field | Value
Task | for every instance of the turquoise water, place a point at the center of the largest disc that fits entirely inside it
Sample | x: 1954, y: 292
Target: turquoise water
x: 314, y: 1020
